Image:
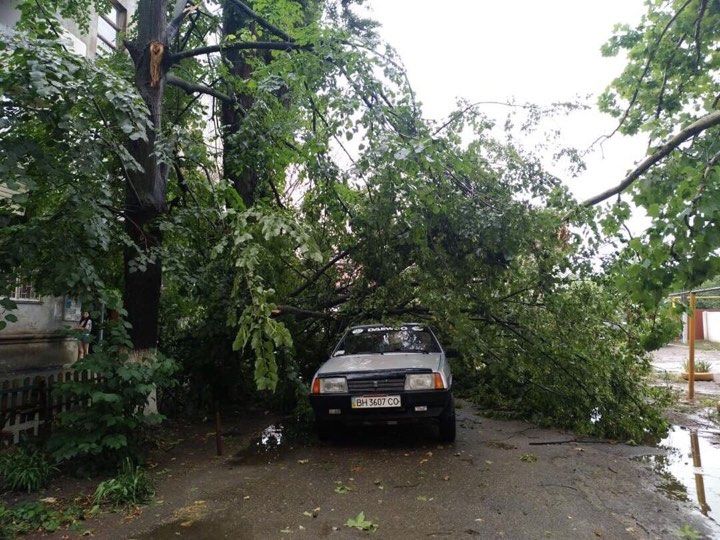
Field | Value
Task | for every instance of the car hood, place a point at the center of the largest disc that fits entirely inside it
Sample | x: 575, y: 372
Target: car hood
x: 355, y: 363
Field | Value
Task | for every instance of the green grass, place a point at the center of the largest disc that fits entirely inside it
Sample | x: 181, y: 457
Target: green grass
x: 132, y: 486
x: 25, y: 470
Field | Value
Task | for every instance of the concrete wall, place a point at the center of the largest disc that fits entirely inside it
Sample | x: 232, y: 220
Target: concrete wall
x: 39, y: 316
x: 37, y: 340
x: 711, y: 319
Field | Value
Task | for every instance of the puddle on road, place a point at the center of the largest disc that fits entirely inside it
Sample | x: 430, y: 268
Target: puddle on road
x: 690, y: 471
x: 263, y: 449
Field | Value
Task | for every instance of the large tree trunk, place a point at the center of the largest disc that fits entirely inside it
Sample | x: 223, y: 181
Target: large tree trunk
x: 238, y: 163
x: 146, y: 189
x: 243, y: 177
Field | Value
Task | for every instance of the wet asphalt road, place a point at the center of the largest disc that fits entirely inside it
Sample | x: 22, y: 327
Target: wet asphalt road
x: 491, y: 483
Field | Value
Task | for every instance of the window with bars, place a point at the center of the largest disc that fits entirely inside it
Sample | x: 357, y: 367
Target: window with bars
x: 110, y: 25
x: 24, y: 292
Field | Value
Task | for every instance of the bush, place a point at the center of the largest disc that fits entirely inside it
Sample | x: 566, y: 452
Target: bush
x: 25, y: 470
x: 132, y: 486
x: 109, y: 424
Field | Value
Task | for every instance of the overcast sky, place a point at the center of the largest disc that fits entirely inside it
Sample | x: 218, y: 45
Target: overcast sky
x: 529, y: 50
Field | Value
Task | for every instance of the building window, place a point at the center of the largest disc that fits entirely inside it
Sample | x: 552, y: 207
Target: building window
x: 110, y: 25
x: 24, y: 292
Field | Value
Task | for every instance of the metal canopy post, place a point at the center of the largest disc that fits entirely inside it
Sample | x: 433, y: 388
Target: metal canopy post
x: 691, y: 344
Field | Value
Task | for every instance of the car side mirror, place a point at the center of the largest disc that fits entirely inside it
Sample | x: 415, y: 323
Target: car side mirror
x: 452, y: 353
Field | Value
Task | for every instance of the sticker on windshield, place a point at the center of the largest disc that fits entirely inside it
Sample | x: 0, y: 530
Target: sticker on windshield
x: 357, y: 330
x: 382, y: 329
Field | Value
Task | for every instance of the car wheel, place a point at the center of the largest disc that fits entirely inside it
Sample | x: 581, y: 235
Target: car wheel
x: 447, y: 424
x: 324, y: 430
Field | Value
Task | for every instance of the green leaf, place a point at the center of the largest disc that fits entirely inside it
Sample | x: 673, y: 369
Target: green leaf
x: 115, y: 441
x: 359, y: 522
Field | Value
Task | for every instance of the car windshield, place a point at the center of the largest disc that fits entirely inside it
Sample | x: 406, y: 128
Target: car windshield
x: 379, y: 340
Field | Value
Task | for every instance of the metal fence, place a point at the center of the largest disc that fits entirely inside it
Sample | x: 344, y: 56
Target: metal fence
x: 28, y: 403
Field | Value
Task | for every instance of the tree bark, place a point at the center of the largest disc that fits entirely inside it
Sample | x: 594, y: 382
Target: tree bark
x: 146, y: 189
x: 243, y: 177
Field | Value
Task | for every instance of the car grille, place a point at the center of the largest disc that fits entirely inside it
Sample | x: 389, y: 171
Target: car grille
x: 376, y: 386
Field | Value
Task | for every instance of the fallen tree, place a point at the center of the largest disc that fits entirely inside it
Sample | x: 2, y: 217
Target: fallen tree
x: 276, y: 240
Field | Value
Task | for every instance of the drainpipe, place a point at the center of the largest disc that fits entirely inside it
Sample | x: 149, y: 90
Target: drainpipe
x: 102, y: 322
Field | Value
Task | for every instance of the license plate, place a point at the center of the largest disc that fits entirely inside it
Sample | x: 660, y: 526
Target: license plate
x: 375, y: 402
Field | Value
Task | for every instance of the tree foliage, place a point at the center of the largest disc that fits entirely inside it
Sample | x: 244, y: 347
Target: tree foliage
x: 670, y: 84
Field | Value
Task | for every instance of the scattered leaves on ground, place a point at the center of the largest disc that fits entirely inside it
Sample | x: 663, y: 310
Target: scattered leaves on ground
x: 191, y: 513
x: 342, y: 488
x: 312, y: 514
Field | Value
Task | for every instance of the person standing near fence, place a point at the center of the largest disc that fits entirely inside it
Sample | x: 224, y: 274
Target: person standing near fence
x: 85, y: 327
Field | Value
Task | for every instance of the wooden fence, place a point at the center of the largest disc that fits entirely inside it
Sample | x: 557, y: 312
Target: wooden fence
x: 28, y: 403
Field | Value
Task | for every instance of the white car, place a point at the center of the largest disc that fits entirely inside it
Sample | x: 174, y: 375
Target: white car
x: 385, y: 374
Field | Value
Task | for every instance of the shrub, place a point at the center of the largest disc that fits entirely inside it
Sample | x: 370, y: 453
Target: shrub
x: 132, y: 486
x: 110, y: 423
x: 25, y: 470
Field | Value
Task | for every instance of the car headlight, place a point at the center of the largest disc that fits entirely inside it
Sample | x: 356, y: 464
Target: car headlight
x: 333, y: 385
x: 419, y: 381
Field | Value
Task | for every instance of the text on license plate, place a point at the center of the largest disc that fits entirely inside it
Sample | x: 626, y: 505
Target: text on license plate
x: 374, y: 402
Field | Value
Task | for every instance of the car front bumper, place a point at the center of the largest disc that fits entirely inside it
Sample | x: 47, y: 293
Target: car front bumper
x: 415, y: 406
